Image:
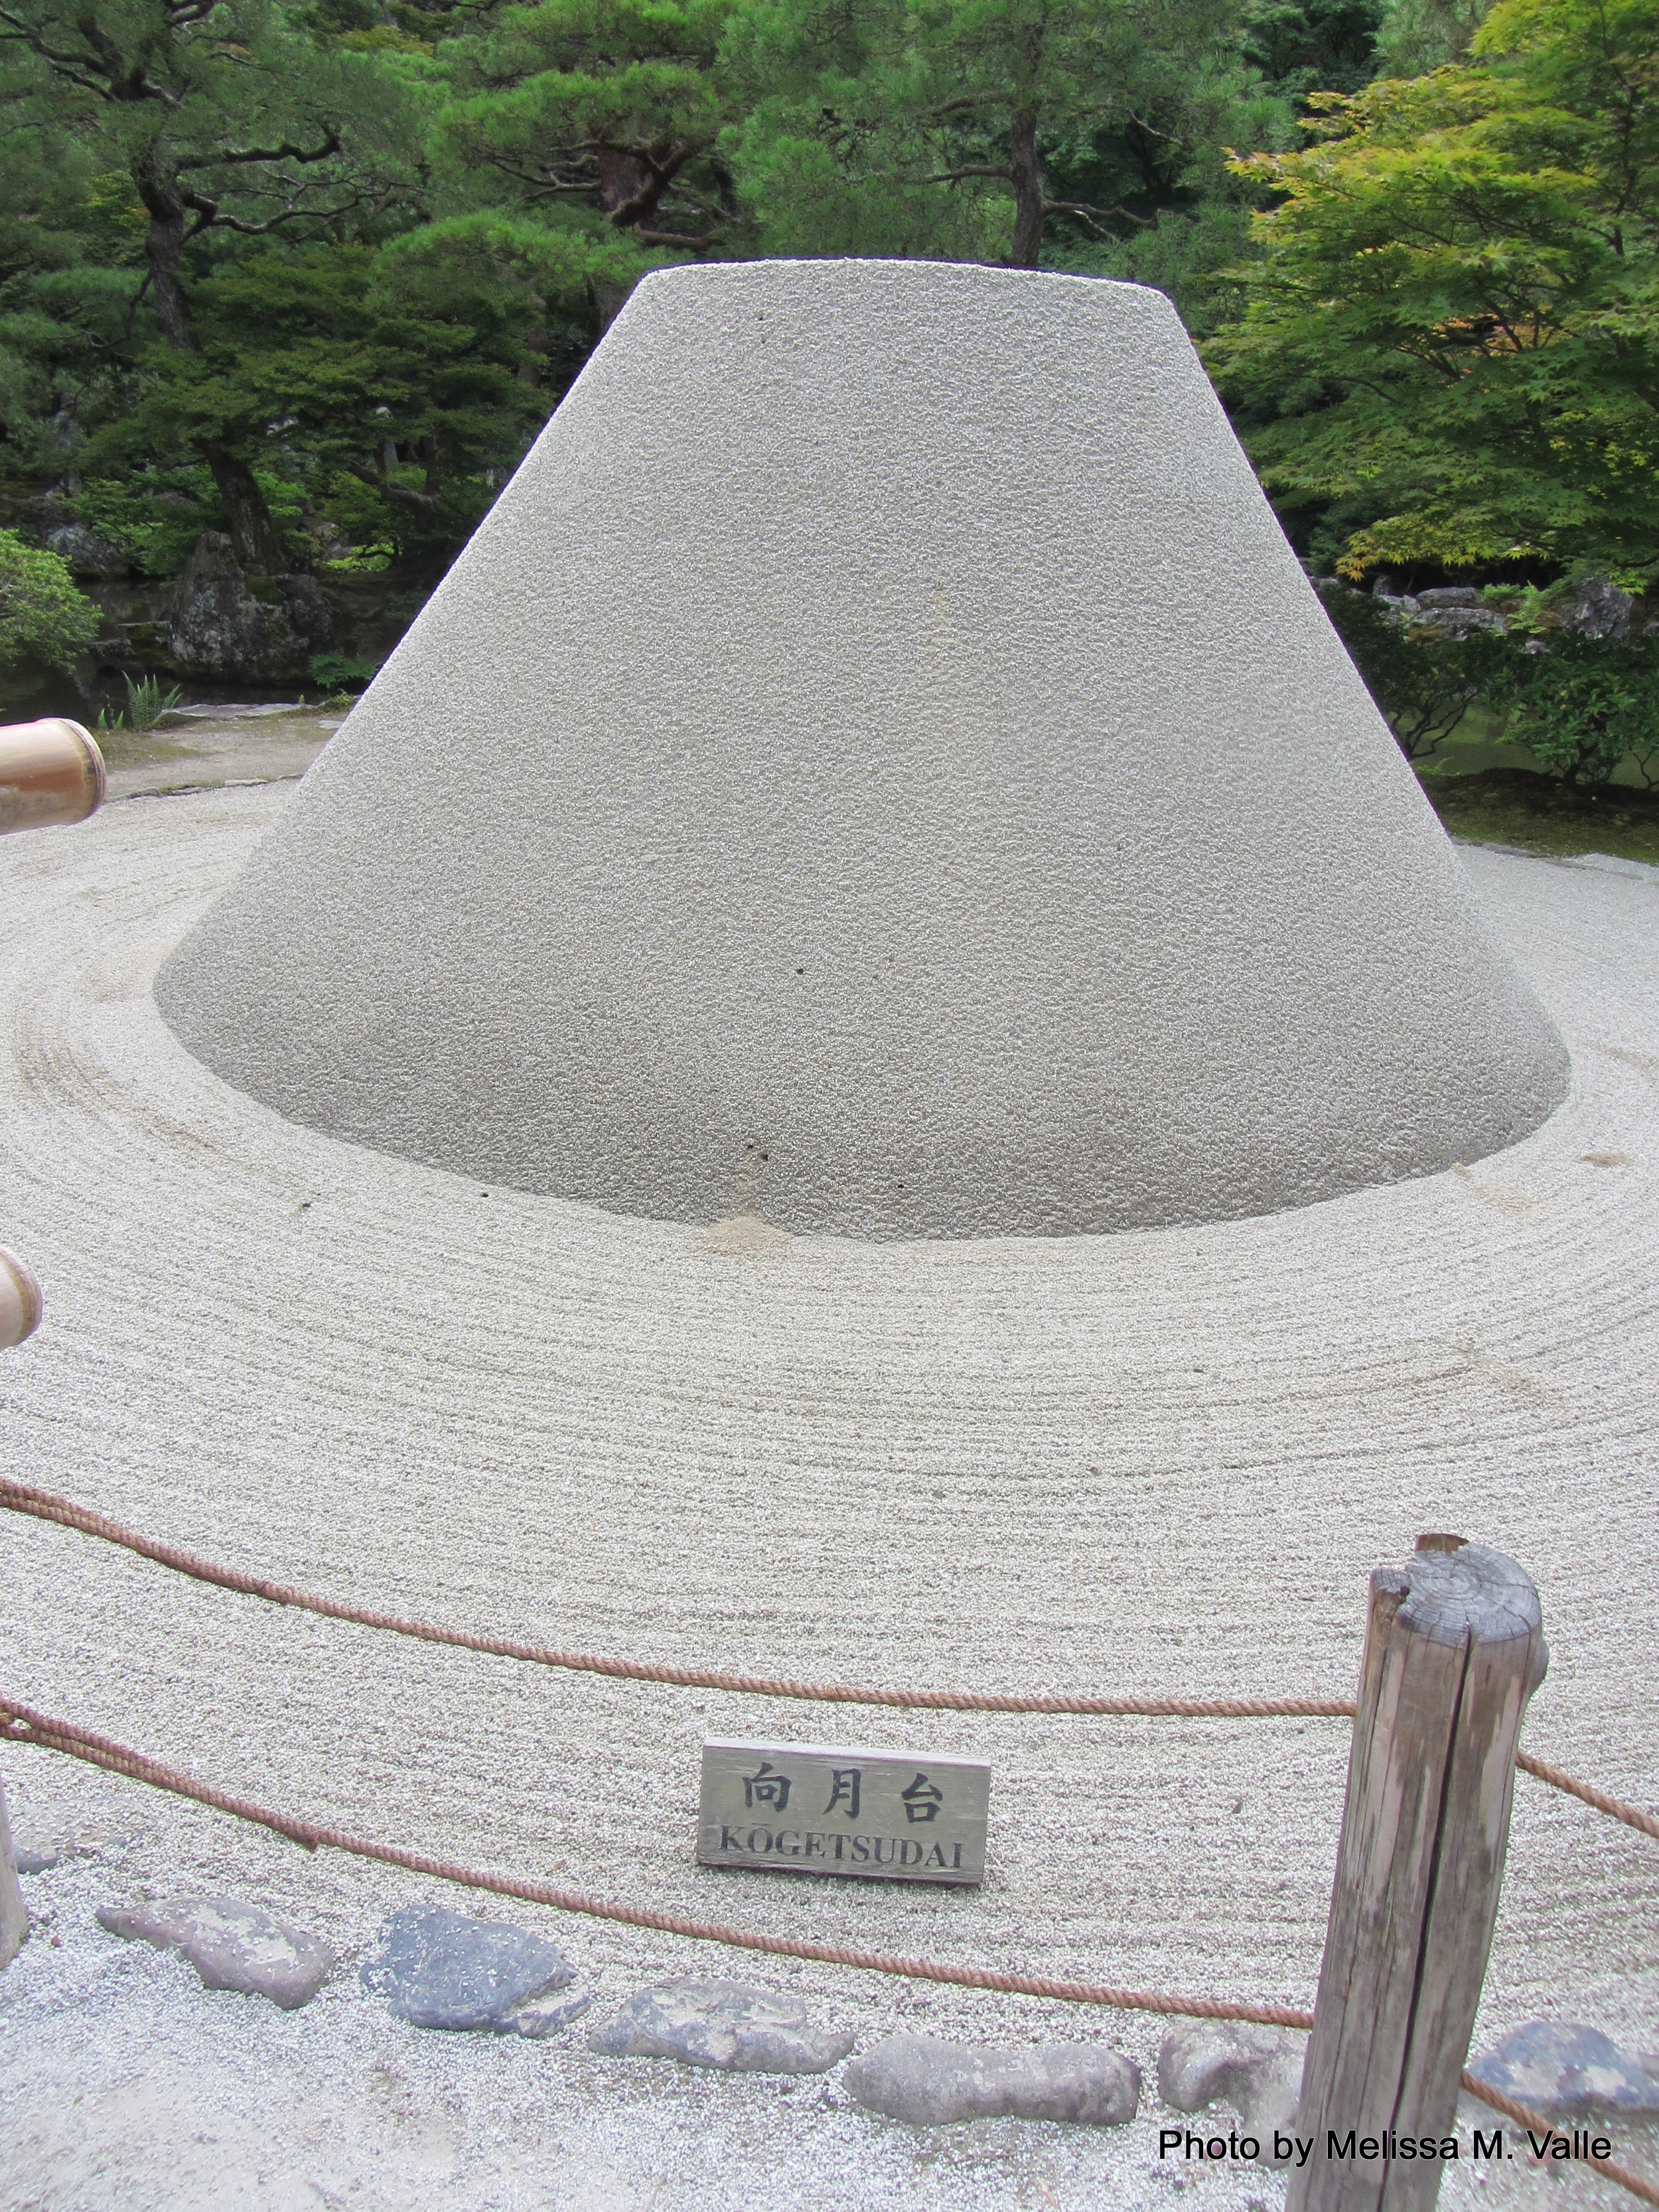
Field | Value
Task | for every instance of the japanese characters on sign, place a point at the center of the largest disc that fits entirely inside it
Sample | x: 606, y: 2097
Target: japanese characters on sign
x: 810, y: 1809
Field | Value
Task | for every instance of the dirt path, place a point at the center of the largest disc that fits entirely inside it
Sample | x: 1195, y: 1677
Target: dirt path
x: 203, y: 755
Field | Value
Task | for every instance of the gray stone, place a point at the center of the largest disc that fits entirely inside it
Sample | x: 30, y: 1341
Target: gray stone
x: 545, y: 2015
x: 1256, y: 2070
x: 441, y: 1969
x: 1454, y: 612
x: 1458, y: 621
x: 1596, y: 608
x: 38, y: 1845
x: 86, y: 552
x: 724, y: 2024
x: 224, y: 623
x: 1566, y: 2071
x: 892, y: 903
x: 923, y: 2079
x: 231, y: 1945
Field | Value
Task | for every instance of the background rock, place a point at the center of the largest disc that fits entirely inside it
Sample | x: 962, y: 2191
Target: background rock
x: 231, y: 1945
x: 441, y: 1969
x: 1596, y: 608
x: 1453, y: 611
x: 925, y: 2080
x: 724, y: 2024
x: 224, y: 623
x: 1457, y: 620
x: 86, y: 552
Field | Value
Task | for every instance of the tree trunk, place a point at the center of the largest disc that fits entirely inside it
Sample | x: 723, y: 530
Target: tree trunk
x: 247, y: 518
x: 633, y: 185
x: 1029, y: 200
x: 164, y: 204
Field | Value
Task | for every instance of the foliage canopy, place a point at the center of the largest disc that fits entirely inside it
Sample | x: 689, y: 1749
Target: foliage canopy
x: 1450, y: 343
x: 313, y: 272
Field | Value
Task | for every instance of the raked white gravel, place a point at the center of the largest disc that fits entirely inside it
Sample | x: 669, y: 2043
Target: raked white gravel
x: 1158, y: 1461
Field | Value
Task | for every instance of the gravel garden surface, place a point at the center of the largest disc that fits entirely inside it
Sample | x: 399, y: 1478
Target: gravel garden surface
x: 1159, y: 1462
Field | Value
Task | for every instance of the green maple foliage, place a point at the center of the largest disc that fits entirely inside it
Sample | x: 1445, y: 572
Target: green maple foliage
x: 1450, y: 339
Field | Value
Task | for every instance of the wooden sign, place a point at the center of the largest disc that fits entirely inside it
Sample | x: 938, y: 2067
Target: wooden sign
x: 808, y: 1808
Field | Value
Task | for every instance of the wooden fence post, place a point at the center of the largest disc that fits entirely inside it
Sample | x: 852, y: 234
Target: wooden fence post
x: 14, y: 1913
x: 1454, y: 1649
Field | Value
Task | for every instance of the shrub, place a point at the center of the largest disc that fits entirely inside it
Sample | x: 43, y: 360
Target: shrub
x: 1581, y: 704
x: 43, y: 617
x: 1424, y: 684
x: 146, y: 704
x: 341, y: 672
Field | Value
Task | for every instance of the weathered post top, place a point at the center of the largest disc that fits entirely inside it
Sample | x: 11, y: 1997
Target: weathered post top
x: 1456, y: 1592
x: 1454, y: 1649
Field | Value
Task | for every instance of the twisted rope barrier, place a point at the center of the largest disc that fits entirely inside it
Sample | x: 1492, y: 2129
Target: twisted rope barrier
x: 46, y: 1505
x: 1536, y: 2126
x: 1615, y: 1807
x: 21, y: 1723
x: 21, y: 1498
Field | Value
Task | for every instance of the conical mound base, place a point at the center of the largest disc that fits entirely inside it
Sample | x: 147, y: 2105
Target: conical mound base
x: 879, y: 765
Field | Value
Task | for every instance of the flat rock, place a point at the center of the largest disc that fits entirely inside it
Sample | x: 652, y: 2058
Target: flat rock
x: 923, y: 2079
x: 547, y: 2013
x: 441, y: 1969
x: 37, y: 1847
x: 1257, y: 2070
x: 1567, y: 2071
x: 231, y: 1945
x: 236, y: 711
x: 724, y: 2024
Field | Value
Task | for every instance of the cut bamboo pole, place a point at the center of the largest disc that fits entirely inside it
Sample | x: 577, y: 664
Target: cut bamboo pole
x: 1454, y: 1649
x: 20, y: 1300
x: 51, y: 772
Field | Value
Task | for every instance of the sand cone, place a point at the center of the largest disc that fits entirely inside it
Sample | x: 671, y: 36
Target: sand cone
x: 879, y: 766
